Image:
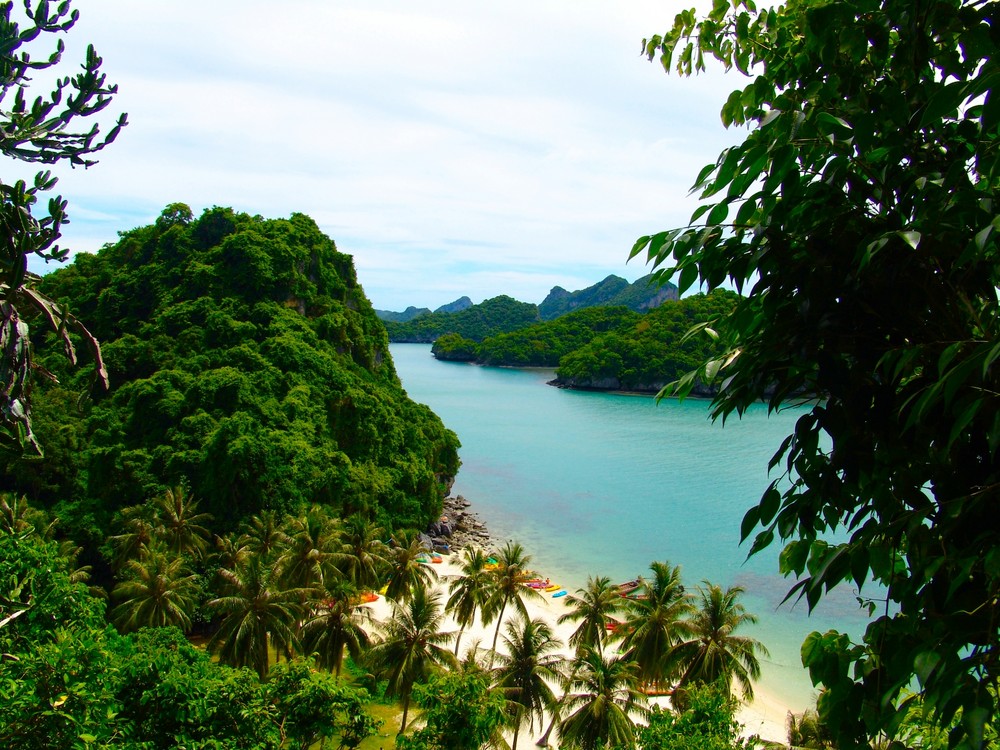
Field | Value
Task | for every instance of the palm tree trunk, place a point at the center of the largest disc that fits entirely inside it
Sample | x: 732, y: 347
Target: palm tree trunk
x: 543, y: 741
x: 496, y: 633
x: 406, y: 710
x: 458, y: 638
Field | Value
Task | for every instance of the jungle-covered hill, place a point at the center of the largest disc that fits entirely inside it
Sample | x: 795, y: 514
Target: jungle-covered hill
x: 504, y: 314
x: 606, y: 348
x: 244, y: 360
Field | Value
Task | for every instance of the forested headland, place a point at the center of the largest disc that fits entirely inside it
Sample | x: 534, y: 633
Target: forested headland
x: 246, y: 362
x: 607, y: 348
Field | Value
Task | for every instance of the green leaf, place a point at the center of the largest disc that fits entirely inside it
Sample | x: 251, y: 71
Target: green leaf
x: 911, y: 238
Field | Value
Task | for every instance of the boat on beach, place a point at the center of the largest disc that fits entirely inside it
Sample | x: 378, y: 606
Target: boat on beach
x: 629, y: 587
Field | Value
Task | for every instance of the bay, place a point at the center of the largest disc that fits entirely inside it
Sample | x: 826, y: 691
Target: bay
x: 598, y: 483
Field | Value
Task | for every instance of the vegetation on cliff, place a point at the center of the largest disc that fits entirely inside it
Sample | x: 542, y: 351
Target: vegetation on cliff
x: 490, y: 317
x: 244, y: 360
x: 609, y: 348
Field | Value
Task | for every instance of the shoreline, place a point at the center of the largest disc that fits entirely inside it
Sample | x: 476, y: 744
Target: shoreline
x: 765, y: 716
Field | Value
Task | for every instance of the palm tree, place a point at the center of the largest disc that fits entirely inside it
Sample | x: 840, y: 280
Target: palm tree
x: 363, y: 554
x: 654, y: 624
x: 17, y: 515
x: 593, y: 607
x: 524, y: 672
x: 714, y: 653
x: 159, y: 590
x: 230, y: 550
x: 180, y: 525
x: 263, y: 536
x: 469, y: 591
x: 406, y: 572
x: 606, y: 696
x: 338, y: 623
x: 411, y: 646
x: 306, y: 555
x: 508, y: 586
x: 137, y: 524
x: 254, y: 608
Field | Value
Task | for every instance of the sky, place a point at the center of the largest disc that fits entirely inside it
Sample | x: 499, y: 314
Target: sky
x: 452, y: 148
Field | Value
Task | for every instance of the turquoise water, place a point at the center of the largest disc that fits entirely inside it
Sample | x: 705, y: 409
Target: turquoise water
x: 603, y: 484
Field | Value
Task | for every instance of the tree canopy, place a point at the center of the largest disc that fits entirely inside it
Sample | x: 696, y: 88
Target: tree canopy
x: 244, y: 360
x: 858, y: 218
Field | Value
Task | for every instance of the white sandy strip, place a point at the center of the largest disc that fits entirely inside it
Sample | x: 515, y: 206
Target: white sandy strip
x: 764, y: 717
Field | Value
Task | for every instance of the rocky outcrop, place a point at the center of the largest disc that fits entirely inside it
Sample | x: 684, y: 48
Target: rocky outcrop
x: 458, y: 527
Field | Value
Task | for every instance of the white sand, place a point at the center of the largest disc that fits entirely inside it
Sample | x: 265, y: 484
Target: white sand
x: 764, y: 717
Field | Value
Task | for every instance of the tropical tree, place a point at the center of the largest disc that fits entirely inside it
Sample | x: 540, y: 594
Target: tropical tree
x: 411, y: 646
x: 263, y: 535
x: 858, y: 217
x: 714, y: 653
x: 460, y: 712
x: 705, y: 721
x: 593, y: 607
x: 469, y: 591
x: 523, y: 673
x: 157, y: 590
x: 40, y: 129
x: 137, y: 531
x: 179, y: 524
x: 229, y: 550
x: 254, y: 608
x: 604, y: 703
x: 807, y: 730
x: 508, y: 587
x: 363, y: 555
x: 406, y: 573
x: 338, y: 622
x: 308, y: 550
x: 654, y: 624
x: 17, y: 516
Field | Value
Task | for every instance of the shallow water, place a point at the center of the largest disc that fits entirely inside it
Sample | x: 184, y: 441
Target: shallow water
x: 603, y: 484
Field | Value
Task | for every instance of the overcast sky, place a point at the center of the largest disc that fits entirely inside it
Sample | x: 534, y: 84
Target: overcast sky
x: 452, y: 147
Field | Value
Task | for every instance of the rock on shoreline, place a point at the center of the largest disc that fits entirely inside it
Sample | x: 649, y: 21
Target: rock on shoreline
x: 459, y: 527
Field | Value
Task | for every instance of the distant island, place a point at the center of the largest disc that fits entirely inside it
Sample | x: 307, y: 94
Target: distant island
x: 611, y: 336
x: 504, y: 314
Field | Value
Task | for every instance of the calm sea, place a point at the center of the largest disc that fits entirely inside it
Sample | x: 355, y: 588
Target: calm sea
x: 603, y: 484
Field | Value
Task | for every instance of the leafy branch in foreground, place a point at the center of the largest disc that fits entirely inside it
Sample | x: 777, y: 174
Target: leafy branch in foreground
x: 858, y: 218
x: 40, y: 131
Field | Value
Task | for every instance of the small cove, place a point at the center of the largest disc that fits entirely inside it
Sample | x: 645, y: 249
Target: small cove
x: 603, y: 484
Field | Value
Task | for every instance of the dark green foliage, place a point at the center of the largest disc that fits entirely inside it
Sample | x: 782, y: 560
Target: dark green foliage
x: 244, y: 359
x: 460, y: 712
x: 706, y: 721
x: 454, y: 348
x: 646, y: 353
x: 402, y: 317
x: 859, y: 214
x: 544, y: 344
x: 67, y: 680
x: 644, y: 294
x: 497, y: 315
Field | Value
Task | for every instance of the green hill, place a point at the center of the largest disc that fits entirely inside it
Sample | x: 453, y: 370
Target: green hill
x: 244, y: 359
x: 490, y: 317
x: 613, y: 291
x: 603, y: 348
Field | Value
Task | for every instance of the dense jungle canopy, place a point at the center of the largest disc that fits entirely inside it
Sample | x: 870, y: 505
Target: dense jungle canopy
x: 244, y: 360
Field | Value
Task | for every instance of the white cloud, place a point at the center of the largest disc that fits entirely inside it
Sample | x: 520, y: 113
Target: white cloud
x: 452, y: 147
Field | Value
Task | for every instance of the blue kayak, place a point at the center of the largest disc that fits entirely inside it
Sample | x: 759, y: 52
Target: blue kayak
x: 559, y: 593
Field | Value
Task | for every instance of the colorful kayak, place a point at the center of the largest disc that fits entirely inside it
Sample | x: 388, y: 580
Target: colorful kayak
x: 561, y: 592
x: 553, y: 587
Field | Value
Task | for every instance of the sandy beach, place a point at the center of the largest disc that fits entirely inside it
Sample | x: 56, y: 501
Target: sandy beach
x: 764, y: 717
